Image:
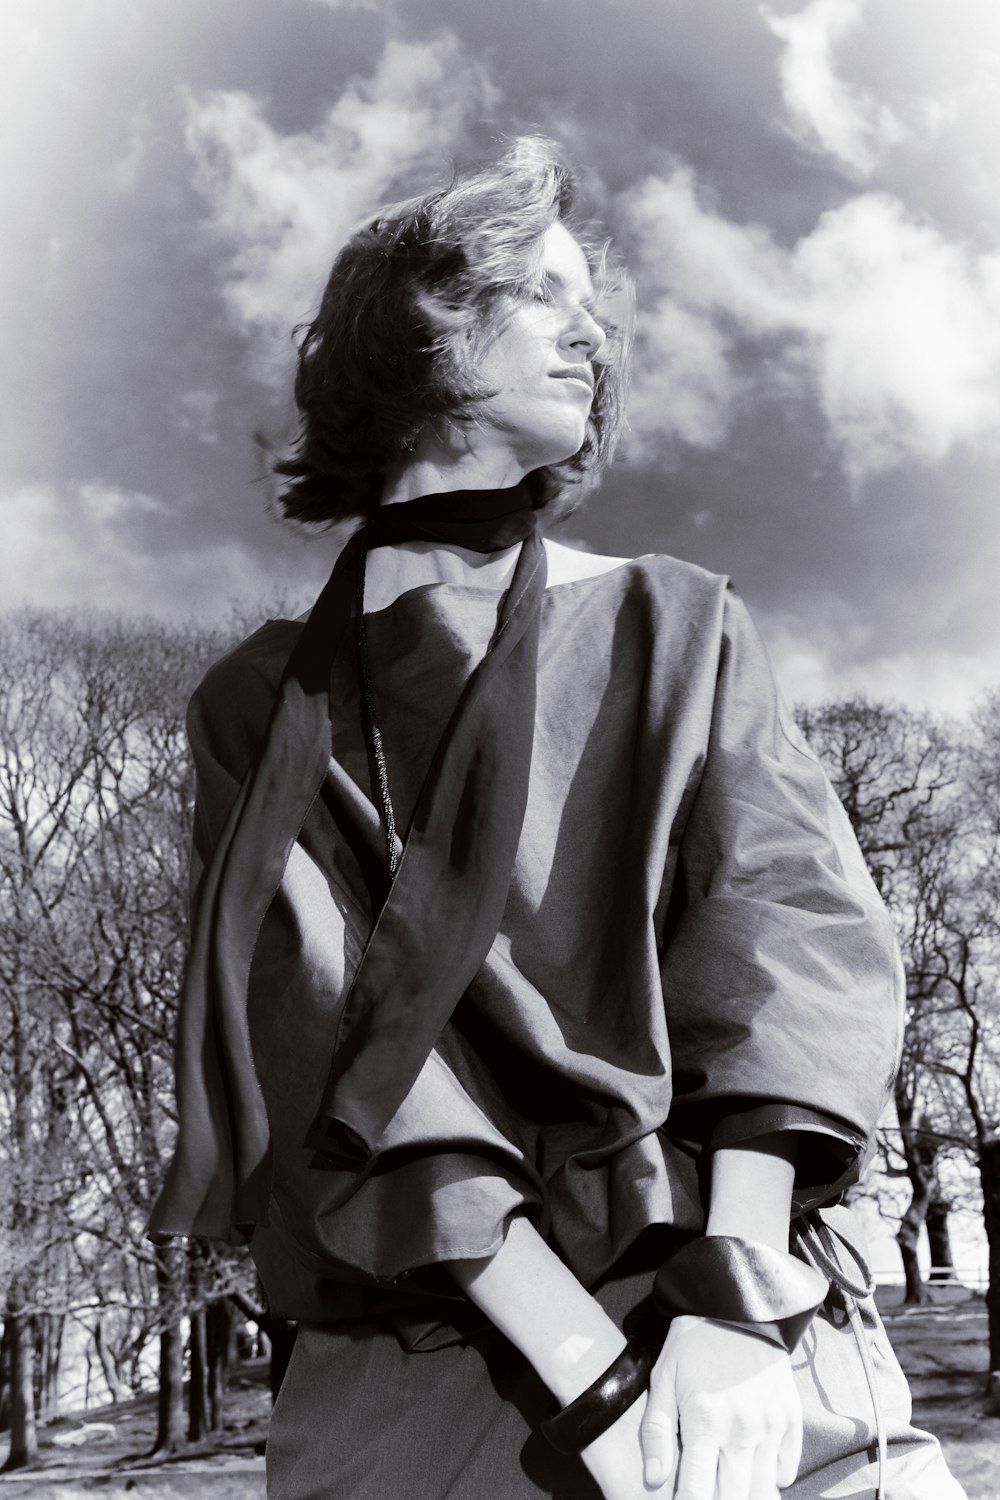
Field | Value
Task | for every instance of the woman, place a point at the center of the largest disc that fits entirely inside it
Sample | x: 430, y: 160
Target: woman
x: 528, y: 937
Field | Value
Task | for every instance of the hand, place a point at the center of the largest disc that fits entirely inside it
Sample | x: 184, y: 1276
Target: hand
x: 732, y: 1398
x: 615, y: 1459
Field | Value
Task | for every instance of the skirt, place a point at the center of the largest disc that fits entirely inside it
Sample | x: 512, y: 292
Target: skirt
x: 360, y: 1417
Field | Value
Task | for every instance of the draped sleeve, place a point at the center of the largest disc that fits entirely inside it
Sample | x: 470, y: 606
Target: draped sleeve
x: 781, y: 977
x: 447, y: 1178
x: 692, y: 953
x: 217, y: 1177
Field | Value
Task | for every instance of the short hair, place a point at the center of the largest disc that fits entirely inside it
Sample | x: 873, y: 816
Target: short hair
x: 388, y: 350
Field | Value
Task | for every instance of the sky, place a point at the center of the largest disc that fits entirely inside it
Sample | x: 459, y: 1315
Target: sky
x: 808, y: 194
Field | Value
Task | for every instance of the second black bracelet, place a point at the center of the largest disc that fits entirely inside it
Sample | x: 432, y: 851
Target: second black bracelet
x: 601, y: 1404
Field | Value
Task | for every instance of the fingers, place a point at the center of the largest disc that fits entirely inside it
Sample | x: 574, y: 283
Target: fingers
x: 764, y: 1482
x: 698, y: 1470
x: 724, y: 1411
x: 735, y: 1473
x: 736, y: 1456
x: 658, y: 1435
x: 790, y: 1449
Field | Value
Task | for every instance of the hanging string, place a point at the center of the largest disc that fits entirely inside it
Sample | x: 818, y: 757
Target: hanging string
x: 815, y: 1239
x: 369, y: 717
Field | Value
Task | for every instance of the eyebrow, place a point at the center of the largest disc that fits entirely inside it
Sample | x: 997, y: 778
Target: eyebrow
x: 560, y: 280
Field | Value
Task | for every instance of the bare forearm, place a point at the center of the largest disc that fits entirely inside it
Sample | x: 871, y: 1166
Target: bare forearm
x: 533, y: 1298
x: 751, y: 1192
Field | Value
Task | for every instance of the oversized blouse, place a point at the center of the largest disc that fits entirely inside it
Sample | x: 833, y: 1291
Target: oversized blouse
x: 692, y: 952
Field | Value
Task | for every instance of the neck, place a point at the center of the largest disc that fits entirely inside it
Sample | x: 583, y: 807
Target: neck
x: 438, y: 468
x: 420, y: 478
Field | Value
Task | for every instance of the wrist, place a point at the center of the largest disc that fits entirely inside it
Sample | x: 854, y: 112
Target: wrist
x: 746, y: 1284
x: 772, y: 1229
x: 537, y: 1302
x: 580, y: 1359
x: 600, y: 1406
x: 751, y: 1194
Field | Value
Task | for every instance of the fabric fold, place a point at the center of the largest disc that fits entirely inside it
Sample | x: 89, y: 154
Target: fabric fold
x: 465, y: 846
x: 599, y: 1046
x: 444, y: 907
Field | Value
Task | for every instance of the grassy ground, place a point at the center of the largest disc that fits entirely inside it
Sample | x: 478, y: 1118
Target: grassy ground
x: 110, y: 1461
x: 942, y: 1348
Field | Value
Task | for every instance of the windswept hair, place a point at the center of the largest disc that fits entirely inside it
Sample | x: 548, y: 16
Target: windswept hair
x: 410, y: 299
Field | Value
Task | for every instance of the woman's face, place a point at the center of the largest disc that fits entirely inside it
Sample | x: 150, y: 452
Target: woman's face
x: 538, y: 363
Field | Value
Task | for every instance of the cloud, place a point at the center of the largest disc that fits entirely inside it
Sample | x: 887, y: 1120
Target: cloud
x: 197, y: 414
x: 824, y: 111
x: 281, y: 205
x: 891, y: 328
x: 68, y: 544
x: 812, y: 666
x: 685, y: 386
x: 125, y: 172
x: 903, y: 334
x: 104, y: 505
x: 119, y: 549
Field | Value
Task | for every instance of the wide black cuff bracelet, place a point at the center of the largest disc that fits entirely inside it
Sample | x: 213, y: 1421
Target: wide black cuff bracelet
x: 595, y: 1409
x: 741, y: 1282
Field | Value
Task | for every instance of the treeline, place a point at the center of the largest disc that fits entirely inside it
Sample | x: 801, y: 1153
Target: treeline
x: 95, y: 804
x: 923, y: 795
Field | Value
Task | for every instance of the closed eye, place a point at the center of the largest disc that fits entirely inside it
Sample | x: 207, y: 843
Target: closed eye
x: 552, y: 287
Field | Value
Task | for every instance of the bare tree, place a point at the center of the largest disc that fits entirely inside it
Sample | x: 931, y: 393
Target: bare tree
x: 898, y: 773
x: 95, y: 803
x: 39, y: 797
x: 968, y: 954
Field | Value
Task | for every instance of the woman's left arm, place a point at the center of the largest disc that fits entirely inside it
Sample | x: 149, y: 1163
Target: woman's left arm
x: 723, y: 1419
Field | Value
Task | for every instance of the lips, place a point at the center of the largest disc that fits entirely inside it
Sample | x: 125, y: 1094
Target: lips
x: 581, y: 373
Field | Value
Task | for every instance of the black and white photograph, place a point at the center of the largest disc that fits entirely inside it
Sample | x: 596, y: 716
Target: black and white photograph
x: 500, y: 750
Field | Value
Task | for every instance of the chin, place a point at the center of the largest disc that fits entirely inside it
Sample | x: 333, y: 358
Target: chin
x: 557, y: 449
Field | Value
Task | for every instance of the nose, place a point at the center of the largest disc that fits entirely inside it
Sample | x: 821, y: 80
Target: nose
x: 583, y: 334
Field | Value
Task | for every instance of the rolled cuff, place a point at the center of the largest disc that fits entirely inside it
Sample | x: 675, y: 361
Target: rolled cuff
x: 830, y: 1154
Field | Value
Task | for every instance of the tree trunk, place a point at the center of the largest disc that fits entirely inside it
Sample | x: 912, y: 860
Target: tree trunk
x: 170, y: 1424
x: 915, y: 1288
x: 920, y: 1170
x: 939, y: 1239
x: 204, y: 1383
x: 198, y: 1422
x: 907, y: 1238
x: 5, y: 1377
x: 989, y: 1172
x: 220, y: 1349
x: 48, y: 1351
x: 57, y: 1330
x: 23, y: 1434
x: 117, y: 1386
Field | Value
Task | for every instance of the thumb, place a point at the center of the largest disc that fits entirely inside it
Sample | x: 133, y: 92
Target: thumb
x: 658, y: 1434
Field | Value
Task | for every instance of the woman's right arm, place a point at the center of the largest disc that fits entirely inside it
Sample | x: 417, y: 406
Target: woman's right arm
x: 535, y: 1300
x: 730, y: 1393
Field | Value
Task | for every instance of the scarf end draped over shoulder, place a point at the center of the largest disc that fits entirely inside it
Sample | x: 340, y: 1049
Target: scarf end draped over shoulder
x: 442, y: 910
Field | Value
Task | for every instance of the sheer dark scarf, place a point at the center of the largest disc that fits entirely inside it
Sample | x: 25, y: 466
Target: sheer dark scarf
x: 448, y: 882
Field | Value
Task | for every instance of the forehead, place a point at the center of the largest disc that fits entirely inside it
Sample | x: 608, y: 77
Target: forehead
x: 563, y: 261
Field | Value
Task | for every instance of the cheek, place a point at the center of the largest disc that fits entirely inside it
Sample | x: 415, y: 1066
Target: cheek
x: 520, y: 354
